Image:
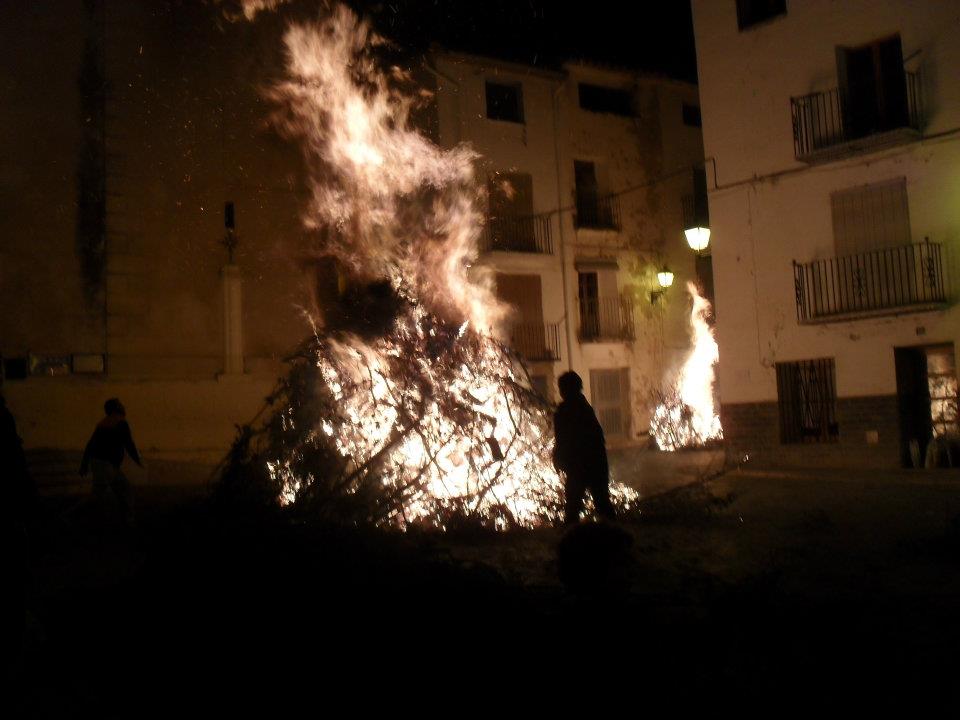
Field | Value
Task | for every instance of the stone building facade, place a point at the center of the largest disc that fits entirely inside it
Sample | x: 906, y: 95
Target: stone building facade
x: 139, y: 125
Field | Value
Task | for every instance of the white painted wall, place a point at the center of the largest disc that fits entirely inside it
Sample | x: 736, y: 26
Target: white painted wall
x: 769, y: 209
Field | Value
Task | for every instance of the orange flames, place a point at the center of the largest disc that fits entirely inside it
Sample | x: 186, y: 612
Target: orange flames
x: 686, y: 416
x: 436, y: 412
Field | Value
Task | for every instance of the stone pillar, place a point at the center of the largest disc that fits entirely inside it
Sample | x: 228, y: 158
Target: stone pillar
x: 232, y: 324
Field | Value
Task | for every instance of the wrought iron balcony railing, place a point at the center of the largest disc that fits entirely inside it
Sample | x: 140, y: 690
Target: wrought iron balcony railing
x: 536, y: 341
x: 606, y: 319
x: 825, y: 123
x: 875, y: 282
x: 526, y: 233
x: 598, y: 213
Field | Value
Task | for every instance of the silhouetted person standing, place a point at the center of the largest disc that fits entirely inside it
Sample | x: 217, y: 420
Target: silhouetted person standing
x: 104, y: 454
x: 580, y: 451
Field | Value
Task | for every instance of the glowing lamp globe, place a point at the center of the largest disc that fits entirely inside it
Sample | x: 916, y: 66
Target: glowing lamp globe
x: 665, y: 278
x: 697, y: 238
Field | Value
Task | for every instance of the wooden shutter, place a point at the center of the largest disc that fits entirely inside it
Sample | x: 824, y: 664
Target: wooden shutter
x: 870, y: 217
x: 610, y: 391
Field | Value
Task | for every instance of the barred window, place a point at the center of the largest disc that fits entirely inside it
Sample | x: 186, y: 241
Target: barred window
x: 807, y: 401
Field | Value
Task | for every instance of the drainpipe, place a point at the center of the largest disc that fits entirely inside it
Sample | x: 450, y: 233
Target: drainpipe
x: 563, y: 245
x: 232, y: 301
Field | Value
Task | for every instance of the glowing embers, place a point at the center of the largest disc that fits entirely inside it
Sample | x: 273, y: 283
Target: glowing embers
x: 427, y: 423
x: 686, y: 416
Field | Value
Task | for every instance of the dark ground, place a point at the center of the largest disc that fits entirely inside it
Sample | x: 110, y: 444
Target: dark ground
x: 750, y: 584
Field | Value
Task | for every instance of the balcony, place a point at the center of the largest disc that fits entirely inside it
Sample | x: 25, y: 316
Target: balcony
x: 597, y: 213
x: 536, y: 341
x: 606, y: 319
x: 525, y: 234
x: 908, y: 278
x: 826, y: 125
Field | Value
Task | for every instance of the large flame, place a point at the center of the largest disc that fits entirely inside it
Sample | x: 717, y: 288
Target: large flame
x: 392, y: 204
x: 433, y: 415
x: 686, y: 415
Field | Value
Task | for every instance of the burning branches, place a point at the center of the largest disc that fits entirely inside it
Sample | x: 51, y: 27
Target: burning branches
x: 425, y: 424
x: 685, y: 415
x: 404, y: 409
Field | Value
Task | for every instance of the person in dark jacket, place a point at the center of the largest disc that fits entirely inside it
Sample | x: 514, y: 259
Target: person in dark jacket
x: 580, y: 452
x: 104, y: 455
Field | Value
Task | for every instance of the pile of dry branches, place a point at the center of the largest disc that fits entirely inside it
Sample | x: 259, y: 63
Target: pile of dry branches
x: 428, y: 424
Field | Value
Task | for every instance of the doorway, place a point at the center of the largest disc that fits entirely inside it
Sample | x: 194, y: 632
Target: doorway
x: 926, y: 399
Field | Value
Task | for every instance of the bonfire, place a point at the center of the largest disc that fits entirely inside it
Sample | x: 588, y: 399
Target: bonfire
x: 685, y: 415
x: 404, y: 408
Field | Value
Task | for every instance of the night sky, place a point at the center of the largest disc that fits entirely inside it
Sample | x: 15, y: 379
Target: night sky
x: 657, y: 39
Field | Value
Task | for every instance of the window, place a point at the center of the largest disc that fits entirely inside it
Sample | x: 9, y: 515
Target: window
x: 510, y: 194
x: 875, y: 265
x: 594, y: 210
x: 610, y: 391
x: 807, y: 401
x: 505, y: 101
x: 606, y: 100
x: 870, y: 217
x: 527, y: 331
x: 691, y: 115
x: 510, y: 222
x: 602, y: 314
x: 753, y: 12
x: 873, y: 88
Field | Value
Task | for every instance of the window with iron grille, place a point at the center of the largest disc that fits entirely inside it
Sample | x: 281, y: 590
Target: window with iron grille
x: 610, y: 391
x: 807, y: 401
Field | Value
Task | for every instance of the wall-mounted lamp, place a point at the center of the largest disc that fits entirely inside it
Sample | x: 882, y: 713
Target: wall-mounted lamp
x: 665, y: 278
x: 698, y: 237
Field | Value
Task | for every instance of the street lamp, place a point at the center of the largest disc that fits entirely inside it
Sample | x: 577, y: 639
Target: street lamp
x: 698, y: 237
x: 665, y: 277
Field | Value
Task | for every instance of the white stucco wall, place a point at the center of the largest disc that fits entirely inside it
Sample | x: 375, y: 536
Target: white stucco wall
x: 768, y: 209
